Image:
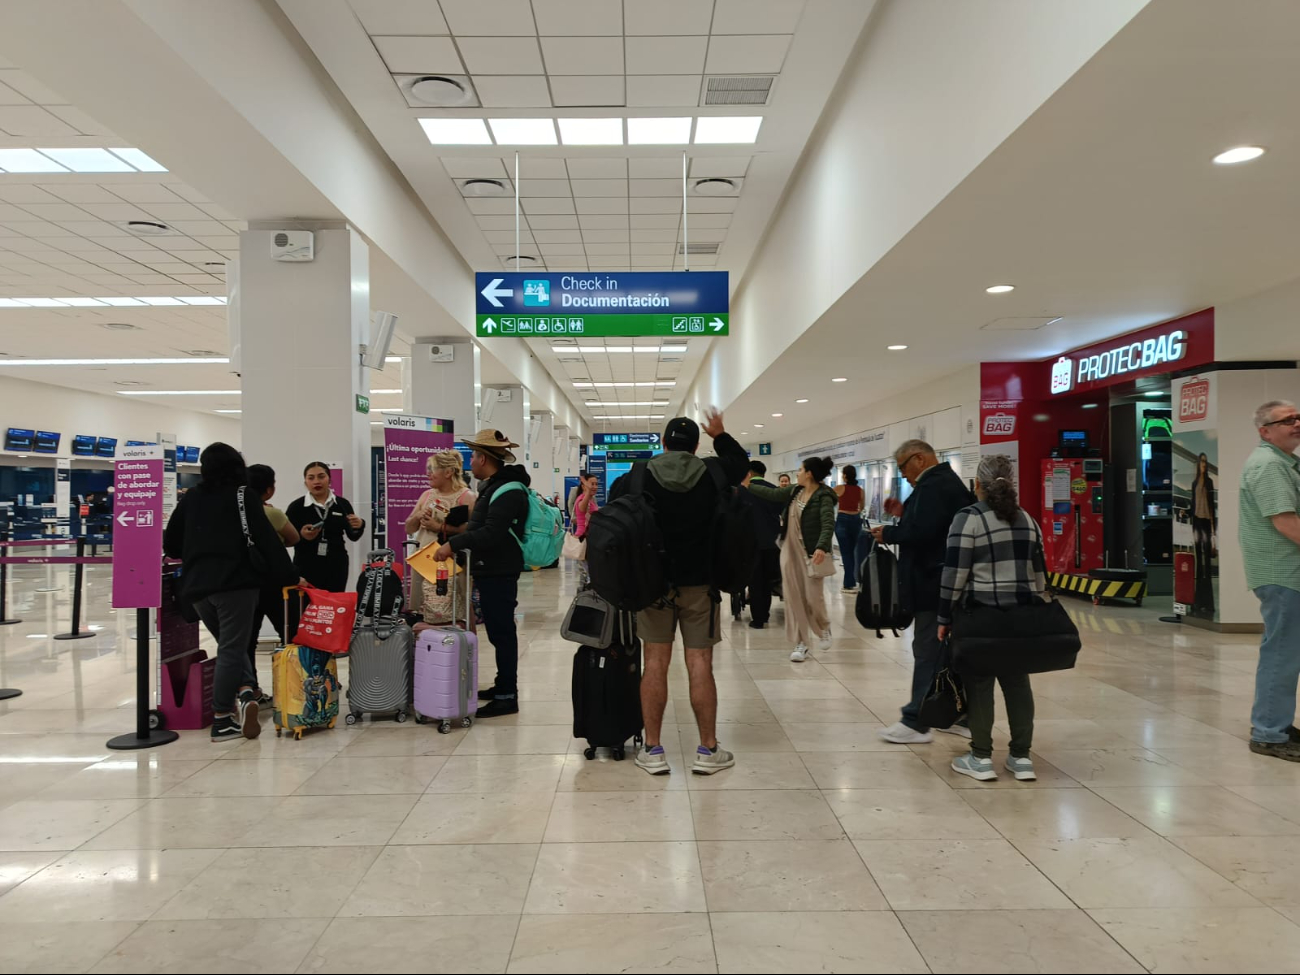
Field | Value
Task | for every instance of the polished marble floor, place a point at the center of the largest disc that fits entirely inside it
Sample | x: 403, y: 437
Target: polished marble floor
x: 1153, y: 840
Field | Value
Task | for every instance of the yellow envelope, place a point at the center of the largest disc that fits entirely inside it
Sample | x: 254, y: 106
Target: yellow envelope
x: 423, y: 562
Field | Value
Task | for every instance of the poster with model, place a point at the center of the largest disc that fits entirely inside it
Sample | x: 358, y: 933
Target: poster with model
x: 1196, y: 503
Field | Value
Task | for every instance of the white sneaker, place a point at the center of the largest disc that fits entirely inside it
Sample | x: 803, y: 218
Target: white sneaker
x: 799, y: 654
x: 959, y: 730
x: 824, y: 641
x: 1022, y: 769
x: 901, y: 734
x: 708, y: 761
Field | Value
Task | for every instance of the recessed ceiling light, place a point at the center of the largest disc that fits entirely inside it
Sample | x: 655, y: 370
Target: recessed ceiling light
x: 227, y: 411
x: 205, y: 353
x: 775, y: 415
x: 714, y: 186
x: 138, y: 159
x: 727, y: 128
x: 801, y: 401
x: 483, y: 187
x: 128, y: 382
x: 658, y: 131
x: 758, y: 426
x: 591, y: 131
x: 896, y: 348
x: 840, y: 379
x: 523, y: 131
x: 120, y: 326
x: 41, y: 302
x: 1239, y: 154
x: 215, y: 360
x: 440, y: 91
x: 520, y: 259
x: 1000, y: 289
x: 1155, y: 392
x: 147, y: 228
x: 456, y: 131
x: 89, y: 160
x: 1090, y: 406
x: 28, y: 161
x: 214, y: 263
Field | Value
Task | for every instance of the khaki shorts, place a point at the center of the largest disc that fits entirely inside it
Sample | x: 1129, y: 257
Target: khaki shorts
x: 692, y: 609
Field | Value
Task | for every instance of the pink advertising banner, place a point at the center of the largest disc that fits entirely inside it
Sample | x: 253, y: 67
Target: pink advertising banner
x: 408, y: 443
x: 137, y: 534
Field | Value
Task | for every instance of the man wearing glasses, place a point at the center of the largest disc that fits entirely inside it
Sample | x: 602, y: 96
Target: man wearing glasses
x: 922, y: 539
x: 1269, y: 533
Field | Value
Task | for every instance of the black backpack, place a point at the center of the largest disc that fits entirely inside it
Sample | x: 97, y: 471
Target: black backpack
x: 625, y: 549
x: 878, y: 606
x: 379, y: 587
x: 733, y: 543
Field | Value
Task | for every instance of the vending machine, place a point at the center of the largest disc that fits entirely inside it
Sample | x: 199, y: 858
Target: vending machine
x: 1073, y: 514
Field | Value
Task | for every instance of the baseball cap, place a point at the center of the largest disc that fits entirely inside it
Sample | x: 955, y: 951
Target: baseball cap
x: 682, y: 433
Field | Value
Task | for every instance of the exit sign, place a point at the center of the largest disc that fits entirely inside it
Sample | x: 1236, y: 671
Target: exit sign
x: 764, y: 450
x: 363, y: 403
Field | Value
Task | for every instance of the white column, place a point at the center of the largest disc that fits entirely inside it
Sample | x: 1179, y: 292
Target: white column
x: 443, y: 381
x: 541, y: 453
x: 505, y: 408
x: 301, y: 325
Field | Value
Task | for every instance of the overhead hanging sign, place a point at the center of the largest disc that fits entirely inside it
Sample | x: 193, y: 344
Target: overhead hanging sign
x: 618, y: 304
x: 624, y: 439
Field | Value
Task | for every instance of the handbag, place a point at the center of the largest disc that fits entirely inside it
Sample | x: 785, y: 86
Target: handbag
x: 255, y: 555
x: 574, y: 547
x: 327, y: 621
x: 589, y: 621
x: 823, y: 571
x: 945, y: 702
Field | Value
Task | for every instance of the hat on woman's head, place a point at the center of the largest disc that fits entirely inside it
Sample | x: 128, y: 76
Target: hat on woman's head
x: 492, y: 442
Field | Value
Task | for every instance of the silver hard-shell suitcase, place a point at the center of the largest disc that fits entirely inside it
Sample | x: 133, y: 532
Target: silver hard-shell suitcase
x: 380, y: 656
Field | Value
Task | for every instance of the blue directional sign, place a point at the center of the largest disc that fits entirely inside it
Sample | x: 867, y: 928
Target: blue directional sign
x: 602, y: 304
x: 624, y: 439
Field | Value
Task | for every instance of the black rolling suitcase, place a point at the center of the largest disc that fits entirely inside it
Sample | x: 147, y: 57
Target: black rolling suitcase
x: 607, y: 691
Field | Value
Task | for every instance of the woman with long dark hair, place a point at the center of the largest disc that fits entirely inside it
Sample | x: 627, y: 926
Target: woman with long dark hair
x: 325, y: 523
x: 995, y: 557
x: 228, y: 551
x: 848, y: 523
x: 1204, y: 521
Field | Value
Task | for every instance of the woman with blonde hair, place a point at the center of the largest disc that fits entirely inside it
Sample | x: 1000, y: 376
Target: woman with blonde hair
x: 428, y: 520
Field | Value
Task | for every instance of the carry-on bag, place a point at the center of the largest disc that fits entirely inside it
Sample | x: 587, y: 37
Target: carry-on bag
x: 607, y: 692
x: 878, y: 606
x: 446, y: 666
x: 304, y: 684
x: 380, y: 587
x: 1033, y: 638
x: 589, y: 621
x: 380, y: 655
x: 327, y: 621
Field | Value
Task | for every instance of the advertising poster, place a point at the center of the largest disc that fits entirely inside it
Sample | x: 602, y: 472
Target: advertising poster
x: 409, y: 441
x: 1196, y: 501
x: 139, y: 495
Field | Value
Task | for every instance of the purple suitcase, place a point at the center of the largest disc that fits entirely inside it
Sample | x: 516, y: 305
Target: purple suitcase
x: 446, y: 670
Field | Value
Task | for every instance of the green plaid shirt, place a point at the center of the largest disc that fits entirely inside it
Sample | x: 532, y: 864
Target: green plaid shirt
x: 1270, y: 485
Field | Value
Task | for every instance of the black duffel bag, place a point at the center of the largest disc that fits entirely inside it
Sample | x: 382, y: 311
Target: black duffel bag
x: 1031, y: 638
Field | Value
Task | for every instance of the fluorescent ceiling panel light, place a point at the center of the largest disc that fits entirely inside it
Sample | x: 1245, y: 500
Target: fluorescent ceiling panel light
x: 896, y: 348
x: 523, y: 131
x: 1239, y: 154
x: 776, y: 415
x: 160, y: 302
x: 139, y: 160
x: 1000, y: 289
x: 393, y: 358
x: 120, y: 302
x: 201, y: 360
x: 227, y: 411
x: 658, y: 131
x: 89, y: 160
x: 41, y: 302
x: 630, y: 416
x: 636, y: 402
x: 840, y: 379
x: 203, y: 300
x: 11, y: 303
x: 662, y: 382
x: 591, y: 131
x: 1156, y: 392
x: 758, y: 426
x: 720, y: 129
x: 801, y: 401
x: 28, y: 161
x: 178, y: 392
x: 456, y: 131
x: 82, y: 302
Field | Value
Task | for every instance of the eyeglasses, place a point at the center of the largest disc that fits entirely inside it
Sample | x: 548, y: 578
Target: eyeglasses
x: 902, y: 466
x: 1291, y: 420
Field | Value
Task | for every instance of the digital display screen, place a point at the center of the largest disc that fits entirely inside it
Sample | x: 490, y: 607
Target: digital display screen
x: 47, y: 442
x: 191, y: 455
x: 106, y: 447
x: 83, y: 446
x: 17, y: 439
x: 1074, y: 438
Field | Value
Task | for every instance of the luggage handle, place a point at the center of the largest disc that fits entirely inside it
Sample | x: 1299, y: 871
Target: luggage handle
x: 301, y: 596
x: 469, y: 589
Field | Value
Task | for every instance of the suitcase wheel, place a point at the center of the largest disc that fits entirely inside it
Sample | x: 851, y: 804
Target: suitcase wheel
x: 331, y: 724
x: 419, y: 718
x: 279, y: 732
x: 466, y: 721
x: 351, y: 718
x: 400, y: 717
x: 444, y: 727
x: 618, y: 753
x: 298, y: 733
x: 589, y: 753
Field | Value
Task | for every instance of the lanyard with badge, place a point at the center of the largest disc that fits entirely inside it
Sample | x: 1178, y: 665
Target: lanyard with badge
x: 323, y: 546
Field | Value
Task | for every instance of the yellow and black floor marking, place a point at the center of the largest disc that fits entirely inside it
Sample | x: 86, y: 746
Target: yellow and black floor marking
x: 1098, y: 590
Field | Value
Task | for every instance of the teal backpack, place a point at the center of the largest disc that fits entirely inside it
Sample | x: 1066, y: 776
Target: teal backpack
x: 543, y: 529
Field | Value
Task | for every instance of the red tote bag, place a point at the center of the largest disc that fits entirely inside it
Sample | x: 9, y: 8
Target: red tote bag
x: 327, y: 620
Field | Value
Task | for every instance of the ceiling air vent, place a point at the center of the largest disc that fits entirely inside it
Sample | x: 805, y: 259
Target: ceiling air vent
x: 700, y: 248
x: 747, y: 90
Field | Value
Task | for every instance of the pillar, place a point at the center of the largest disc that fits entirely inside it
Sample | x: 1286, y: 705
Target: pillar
x: 541, y: 454
x: 443, y: 381
x: 505, y: 408
x: 300, y: 326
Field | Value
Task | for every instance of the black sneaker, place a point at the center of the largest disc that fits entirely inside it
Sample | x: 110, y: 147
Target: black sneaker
x: 249, y: 713
x: 756, y: 625
x: 1293, y: 734
x: 499, y: 707
x: 1288, y: 751
x: 226, y: 728
x: 488, y: 694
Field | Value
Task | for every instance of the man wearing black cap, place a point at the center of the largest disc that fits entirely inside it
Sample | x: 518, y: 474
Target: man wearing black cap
x: 685, y: 498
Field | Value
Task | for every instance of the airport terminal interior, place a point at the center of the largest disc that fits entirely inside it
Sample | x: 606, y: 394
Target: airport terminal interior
x: 406, y: 253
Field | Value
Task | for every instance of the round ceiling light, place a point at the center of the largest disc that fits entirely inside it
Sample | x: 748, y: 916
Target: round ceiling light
x: 777, y: 415
x: 1239, y: 154
x: 483, y: 187
x: 758, y: 426
x: 120, y: 326
x: 896, y: 348
x: 801, y: 401
x: 128, y: 382
x: 1000, y: 289
x: 715, y: 186
x: 520, y: 259
x: 437, y: 90
x: 147, y: 228
x: 840, y: 379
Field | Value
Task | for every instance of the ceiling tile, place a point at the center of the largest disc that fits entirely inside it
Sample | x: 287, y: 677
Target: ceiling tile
x: 500, y: 222
x: 655, y: 168
x: 32, y: 120
x: 646, y: 261
x: 583, y: 55
x: 726, y: 204
x: 11, y: 96
x: 704, y: 167
x: 657, y: 187
x: 197, y: 228
x: 665, y: 248
x: 606, y: 204
x: 520, y: 91
x: 54, y: 211
x: 557, y: 236
x: 605, y: 236
x: 599, y: 187
x: 581, y: 91
x: 176, y: 211
x: 657, y: 235
x: 501, y: 55
x: 508, y: 247
x: 26, y: 85
x: 701, y: 220
x: 82, y: 122
x: 651, y: 91
x: 578, y: 17
x: 145, y: 193
x: 400, y: 16
x: 189, y: 193
x: 751, y: 54
x: 489, y: 17
x: 706, y: 234
x: 667, y: 16
x: 538, y: 167
x: 419, y: 55
x: 604, y: 221
x: 508, y: 236
x: 609, y: 250
x: 469, y: 167
x: 757, y: 16
x: 532, y: 206
x: 658, y: 220
x: 490, y: 206
x: 116, y: 211
x: 546, y: 187
x: 656, y: 205
x: 573, y: 251
x: 666, y: 55
x: 597, y: 168
x: 558, y: 221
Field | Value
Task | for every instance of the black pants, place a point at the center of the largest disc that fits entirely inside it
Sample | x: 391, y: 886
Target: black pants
x: 229, y: 617
x: 498, y: 597
x: 270, y: 604
x: 927, y: 654
x: 767, y: 569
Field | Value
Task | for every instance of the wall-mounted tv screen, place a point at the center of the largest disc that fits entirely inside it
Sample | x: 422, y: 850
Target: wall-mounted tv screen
x: 106, y: 447
x: 140, y: 443
x: 83, y: 446
x: 47, y: 442
x: 191, y: 455
x: 18, y: 439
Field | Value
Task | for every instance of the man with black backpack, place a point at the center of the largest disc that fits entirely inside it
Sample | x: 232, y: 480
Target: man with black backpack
x: 684, y: 492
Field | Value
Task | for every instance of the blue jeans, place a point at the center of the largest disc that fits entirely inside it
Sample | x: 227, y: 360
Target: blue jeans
x: 1279, y: 665
x: 847, y: 529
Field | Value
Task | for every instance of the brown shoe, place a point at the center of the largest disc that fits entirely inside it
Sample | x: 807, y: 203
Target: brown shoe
x: 1288, y: 751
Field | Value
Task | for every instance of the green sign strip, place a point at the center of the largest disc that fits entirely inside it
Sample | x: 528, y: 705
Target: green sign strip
x: 363, y: 403
x: 602, y: 326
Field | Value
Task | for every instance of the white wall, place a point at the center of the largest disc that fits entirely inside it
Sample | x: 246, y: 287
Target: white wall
x: 36, y: 405
x: 1261, y: 327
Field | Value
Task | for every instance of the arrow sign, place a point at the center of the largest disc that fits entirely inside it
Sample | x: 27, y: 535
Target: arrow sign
x: 654, y: 438
x: 493, y: 291
x: 490, y: 326
x: 126, y: 518
x: 717, y: 324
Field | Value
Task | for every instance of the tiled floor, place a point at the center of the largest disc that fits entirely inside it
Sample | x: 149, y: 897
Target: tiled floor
x: 1153, y: 840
